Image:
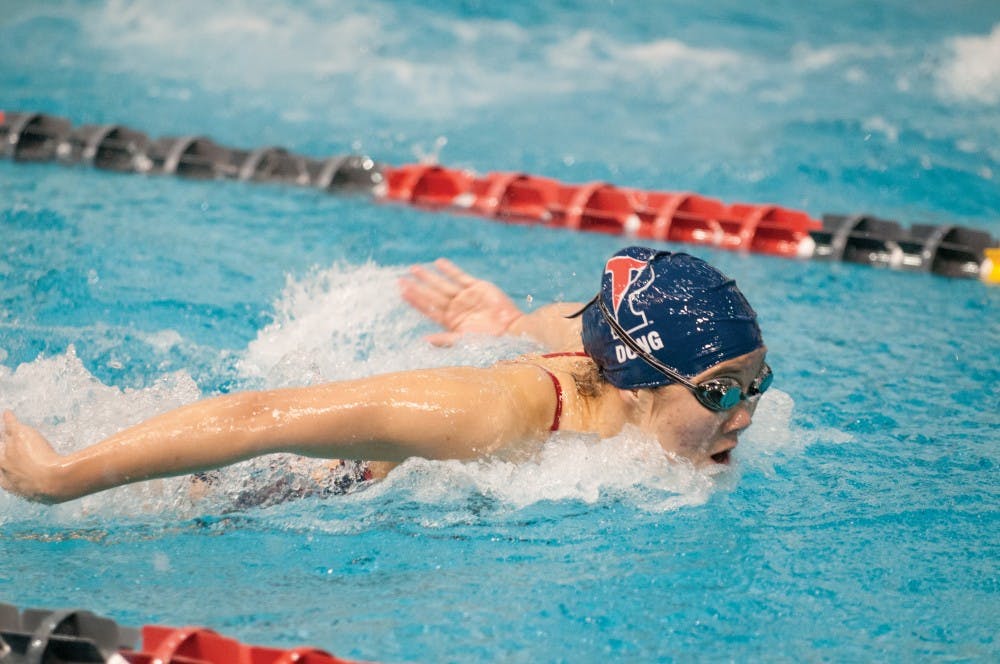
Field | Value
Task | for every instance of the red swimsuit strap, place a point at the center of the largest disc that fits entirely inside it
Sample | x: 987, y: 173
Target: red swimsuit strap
x: 559, y: 400
x: 558, y: 386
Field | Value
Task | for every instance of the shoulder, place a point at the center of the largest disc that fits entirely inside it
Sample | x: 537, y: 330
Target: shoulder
x: 567, y: 381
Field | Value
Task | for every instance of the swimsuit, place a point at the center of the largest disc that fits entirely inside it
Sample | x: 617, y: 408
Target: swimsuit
x: 555, y: 383
x: 269, y: 489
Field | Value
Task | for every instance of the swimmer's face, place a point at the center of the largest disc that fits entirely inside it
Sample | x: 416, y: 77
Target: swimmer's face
x: 686, y: 428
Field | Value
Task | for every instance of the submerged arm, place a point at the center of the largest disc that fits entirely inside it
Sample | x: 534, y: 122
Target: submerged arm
x: 440, y: 414
x: 462, y: 304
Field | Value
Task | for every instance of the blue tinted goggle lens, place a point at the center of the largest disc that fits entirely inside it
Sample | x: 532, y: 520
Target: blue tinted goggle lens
x: 762, y: 382
x: 724, y: 393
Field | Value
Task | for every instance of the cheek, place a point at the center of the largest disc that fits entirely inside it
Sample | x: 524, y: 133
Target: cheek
x: 686, y: 432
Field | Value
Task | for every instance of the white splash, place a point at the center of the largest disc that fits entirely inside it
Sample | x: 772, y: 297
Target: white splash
x: 258, y: 43
x: 346, y: 322
x: 773, y: 434
x: 567, y: 467
x: 972, y: 71
x: 595, y: 52
x: 883, y: 126
x: 363, y: 49
x: 73, y: 409
x: 806, y: 58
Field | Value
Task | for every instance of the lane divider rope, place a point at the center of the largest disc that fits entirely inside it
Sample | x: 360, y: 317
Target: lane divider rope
x: 663, y: 216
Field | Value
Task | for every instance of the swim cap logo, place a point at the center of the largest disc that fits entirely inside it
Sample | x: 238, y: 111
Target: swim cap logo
x: 629, y: 278
x: 627, y: 272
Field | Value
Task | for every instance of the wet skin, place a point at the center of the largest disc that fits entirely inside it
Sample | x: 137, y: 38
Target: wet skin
x: 686, y: 428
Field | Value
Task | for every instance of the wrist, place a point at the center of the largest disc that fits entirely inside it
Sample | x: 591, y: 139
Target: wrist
x: 53, y: 483
x: 513, y: 326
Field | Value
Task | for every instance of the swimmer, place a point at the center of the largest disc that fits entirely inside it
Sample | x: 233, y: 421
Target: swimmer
x: 668, y: 345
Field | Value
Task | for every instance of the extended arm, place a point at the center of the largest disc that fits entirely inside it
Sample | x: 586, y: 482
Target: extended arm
x: 462, y: 304
x: 447, y: 413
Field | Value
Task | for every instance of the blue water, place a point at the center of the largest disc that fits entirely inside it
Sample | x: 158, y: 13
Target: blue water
x: 860, y: 521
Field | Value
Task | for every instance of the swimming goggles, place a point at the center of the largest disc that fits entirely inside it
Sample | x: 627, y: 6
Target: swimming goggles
x: 716, y: 394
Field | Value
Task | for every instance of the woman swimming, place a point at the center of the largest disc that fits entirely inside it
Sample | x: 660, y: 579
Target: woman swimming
x: 668, y: 345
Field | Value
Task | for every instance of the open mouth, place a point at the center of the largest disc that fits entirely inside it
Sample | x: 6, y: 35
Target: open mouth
x: 722, y: 457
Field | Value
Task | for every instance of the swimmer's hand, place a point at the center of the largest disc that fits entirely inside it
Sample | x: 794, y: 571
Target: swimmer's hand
x: 458, y: 302
x: 27, y: 462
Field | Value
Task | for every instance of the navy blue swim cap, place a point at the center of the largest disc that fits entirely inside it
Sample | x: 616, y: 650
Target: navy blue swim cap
x: 680, y: 309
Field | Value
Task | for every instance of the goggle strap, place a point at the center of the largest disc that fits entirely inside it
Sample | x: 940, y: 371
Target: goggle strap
x: 626, y: 339
x: 651, y: 360
x: 579, y: 312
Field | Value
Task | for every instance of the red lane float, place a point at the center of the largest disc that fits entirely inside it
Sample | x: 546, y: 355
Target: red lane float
x: 81, y: 637
x: 603, y: 207
x: 200, y: 645
x: 680, y: 217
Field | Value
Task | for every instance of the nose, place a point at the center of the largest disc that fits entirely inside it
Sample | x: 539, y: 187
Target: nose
x: 741, y: 415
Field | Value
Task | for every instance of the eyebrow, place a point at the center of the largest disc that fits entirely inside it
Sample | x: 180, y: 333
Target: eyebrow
x: 725, y: 368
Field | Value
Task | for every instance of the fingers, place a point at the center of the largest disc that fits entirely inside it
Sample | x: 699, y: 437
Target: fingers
x: 447, y: 278
x: 431, y: 291
x: 443, y: 339
x: 25, y: 461
x: 9, y: 423
x: 427, y: 301
x: 7, y: 434
x: 434, y: 279
x: 454, y: 273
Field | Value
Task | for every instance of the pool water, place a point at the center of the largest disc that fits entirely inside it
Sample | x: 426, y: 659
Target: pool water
x: 860, y: 520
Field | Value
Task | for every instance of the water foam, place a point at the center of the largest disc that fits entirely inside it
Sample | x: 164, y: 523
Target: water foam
x: 366, y: 48
x: 259, y: 44
x: 346, y: 322
x: 566, y: 472
x: 568, y: 467
x: 774, y: 436
x: 808, y: 58
x: 972, y: 72
x: 73, y: 409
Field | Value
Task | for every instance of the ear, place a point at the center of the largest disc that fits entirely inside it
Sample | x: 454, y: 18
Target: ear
x: 636, y: 401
